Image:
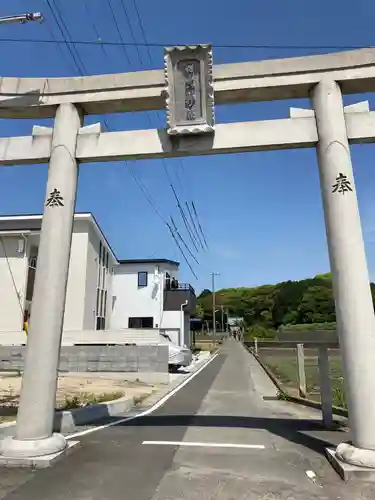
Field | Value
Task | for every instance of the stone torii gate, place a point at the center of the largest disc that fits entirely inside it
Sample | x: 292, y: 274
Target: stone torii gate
x: 329, y: 127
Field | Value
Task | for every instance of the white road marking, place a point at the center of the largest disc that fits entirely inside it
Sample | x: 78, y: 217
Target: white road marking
x: 311, y: 475
x: 157, y: 405
x: 207, y: 445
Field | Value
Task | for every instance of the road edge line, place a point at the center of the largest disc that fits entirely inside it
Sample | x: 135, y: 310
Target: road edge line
x: 150, y: 410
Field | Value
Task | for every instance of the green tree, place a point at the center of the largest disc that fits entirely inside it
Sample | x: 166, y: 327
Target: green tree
x: 305, y: 302
x: 199, y: 311
x: 317, y: 305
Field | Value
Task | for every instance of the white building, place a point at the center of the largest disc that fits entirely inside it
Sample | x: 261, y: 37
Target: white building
x: 90, y: 272
x: 103, y: 293
x: 147, y: 294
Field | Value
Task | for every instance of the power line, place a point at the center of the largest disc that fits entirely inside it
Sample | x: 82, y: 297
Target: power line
x: 185, y: 245
x: 149, y: 120
x: 11, y: 274
x: 187, y: 226
x: 199, y: 238
x: 182, y: 252
x: 200, y: 232
x: 165, y: 44
x: 180, y: 208
x: 87, y: 9
x: 199, y: 224
x: 179, y: 205
x: 141, y: 186
x: 118, y: 30
x: 58, y: 10
x: 132, y: 34
x: 59, y: 47
x: 146, y: 44
x: 68, y: 45
x: 139, y: 183
x: 149, y: 198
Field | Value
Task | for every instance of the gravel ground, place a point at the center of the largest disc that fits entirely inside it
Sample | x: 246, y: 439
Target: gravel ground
x: 85, y: 388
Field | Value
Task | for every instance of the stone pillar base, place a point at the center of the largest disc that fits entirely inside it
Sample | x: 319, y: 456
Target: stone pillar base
x: 356, y: 456
x: 352, y: 463
x: 15, y: 448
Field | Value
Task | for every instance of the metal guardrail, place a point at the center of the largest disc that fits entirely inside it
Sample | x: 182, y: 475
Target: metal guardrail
x: 180, y: 286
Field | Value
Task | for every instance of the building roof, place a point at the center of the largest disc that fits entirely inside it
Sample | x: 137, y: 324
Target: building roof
x: 149, y: 261
x: 33, y: 223
x: 232, y: 320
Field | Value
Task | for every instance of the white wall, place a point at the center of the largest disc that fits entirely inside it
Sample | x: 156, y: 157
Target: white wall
x: 82, y: 279
x: 171, y: 324
x: 133, y: 301
x: 13, y: 267
x: 92, y: 280
x: 186, y: 335
x: 110, y: 294
x: 75, y: 293
x: 89, y: 319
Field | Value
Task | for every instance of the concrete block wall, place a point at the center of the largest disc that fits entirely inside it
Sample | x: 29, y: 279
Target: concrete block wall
x: 72, y: 337
x: 140, y: 359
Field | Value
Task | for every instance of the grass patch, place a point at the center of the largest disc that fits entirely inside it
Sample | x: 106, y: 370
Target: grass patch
x: 85, y: 399
x: 285, y: 368
x: 205, y: 346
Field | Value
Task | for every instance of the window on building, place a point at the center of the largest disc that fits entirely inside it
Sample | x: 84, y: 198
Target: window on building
x: 100, y: 323
x: 142, y: 278
x: 97, y: 300
x: 101, y: 292
x: 141, y: 322
x: 31, y: 273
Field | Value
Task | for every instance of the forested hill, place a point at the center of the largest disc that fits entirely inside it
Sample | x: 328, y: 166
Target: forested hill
x: 287, y: 303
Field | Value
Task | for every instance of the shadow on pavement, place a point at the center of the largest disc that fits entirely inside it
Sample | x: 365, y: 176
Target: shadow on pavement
x: 308, y: 433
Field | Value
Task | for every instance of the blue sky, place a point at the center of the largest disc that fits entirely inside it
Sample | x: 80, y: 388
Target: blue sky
x: 261, y: 212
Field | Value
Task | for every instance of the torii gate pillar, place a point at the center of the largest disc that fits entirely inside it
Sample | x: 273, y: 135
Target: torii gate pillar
x: 34, y: 431
x: 350, y: 277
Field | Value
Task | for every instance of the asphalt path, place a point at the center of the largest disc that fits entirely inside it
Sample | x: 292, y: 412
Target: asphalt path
x: 223, y: 436
x: 113, y: 463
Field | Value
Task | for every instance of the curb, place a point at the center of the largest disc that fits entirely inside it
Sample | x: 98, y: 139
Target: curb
x: 66, y: 420
x: 173, y: 385
x: 342, y: 412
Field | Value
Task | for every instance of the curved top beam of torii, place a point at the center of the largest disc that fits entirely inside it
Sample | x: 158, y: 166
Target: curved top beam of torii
x: 143, y: 90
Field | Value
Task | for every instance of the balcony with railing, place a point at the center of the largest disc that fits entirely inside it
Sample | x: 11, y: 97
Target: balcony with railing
x: 176, y: 294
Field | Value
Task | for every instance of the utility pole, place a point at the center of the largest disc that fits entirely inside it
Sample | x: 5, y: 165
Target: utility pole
x: 22, y: 18
x: 213, y: 308
x: 222, y: 318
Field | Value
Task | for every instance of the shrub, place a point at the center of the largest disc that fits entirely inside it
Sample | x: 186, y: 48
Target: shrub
x: 259, y: 331
x: 339, y: 396
x: 85, y: 399
x: 308, y: 326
